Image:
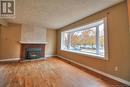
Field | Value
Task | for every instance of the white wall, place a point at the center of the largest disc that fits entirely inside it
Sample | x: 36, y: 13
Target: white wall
x: 33, y: 34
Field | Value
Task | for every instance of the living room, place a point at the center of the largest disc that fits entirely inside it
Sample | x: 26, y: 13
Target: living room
x: 65, y: 43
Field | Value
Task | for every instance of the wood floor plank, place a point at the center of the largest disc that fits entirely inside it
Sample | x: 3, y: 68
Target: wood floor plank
x: 52, y: 72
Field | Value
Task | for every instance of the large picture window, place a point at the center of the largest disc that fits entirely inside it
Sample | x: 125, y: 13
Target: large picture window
x: 90, y: 39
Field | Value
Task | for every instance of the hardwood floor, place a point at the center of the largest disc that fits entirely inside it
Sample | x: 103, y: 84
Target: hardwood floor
x: 52, y: 72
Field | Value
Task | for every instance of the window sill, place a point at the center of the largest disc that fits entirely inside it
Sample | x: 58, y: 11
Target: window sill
x: 86, y: 54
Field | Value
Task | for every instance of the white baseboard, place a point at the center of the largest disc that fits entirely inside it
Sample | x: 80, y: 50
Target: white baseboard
x: 98, y: 71
x: 9, y: 60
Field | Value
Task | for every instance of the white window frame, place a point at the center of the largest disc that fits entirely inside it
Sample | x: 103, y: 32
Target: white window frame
x: 105, y: 57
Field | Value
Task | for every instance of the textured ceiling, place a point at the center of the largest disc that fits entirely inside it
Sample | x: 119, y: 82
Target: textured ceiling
x: 57, y: 13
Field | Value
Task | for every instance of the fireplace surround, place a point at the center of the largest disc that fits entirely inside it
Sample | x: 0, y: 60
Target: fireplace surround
x: 32, y: 51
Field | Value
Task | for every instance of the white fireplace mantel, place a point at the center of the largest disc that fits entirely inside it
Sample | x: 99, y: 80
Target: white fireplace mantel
x: 21, y: 42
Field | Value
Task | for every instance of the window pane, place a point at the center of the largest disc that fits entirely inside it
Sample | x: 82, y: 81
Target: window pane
x: 83, y: 40
x: 88, y: 42
x: 66, y: 41
x: 101, y: 39
x: 76, y: 40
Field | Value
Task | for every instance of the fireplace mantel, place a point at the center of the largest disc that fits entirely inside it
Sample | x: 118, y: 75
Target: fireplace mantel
x: 21, y: 42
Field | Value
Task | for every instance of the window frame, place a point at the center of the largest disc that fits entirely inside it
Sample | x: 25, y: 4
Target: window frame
x: 105, y: 57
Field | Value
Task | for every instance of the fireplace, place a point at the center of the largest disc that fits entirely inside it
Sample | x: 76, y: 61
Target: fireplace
x: 32, y: 51
x: 33, y: 41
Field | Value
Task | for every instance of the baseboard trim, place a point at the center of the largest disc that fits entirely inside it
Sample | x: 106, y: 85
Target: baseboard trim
x: 98, y: 71
x: 9, y: 60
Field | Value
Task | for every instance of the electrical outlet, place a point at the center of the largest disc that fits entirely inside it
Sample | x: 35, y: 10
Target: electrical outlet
x: 116, y: 68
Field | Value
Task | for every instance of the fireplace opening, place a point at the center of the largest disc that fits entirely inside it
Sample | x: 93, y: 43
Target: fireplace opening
x: 32, y: 53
